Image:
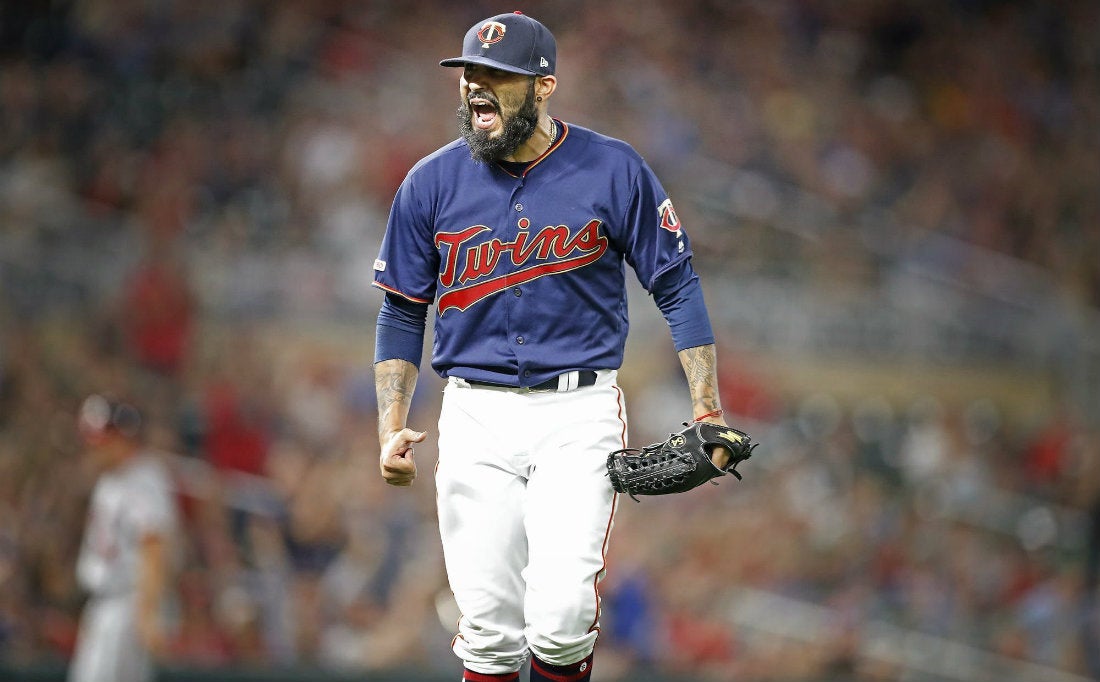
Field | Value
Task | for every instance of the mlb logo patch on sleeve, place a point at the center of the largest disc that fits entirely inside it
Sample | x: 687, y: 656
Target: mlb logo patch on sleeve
x: 379, y: 264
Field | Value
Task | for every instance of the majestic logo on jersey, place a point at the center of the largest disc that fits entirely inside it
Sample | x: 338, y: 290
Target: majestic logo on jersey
x: 469, y: 267
x: 491, y: 32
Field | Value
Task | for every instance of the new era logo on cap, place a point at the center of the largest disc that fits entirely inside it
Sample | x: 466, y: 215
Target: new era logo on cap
x: 511, y: 42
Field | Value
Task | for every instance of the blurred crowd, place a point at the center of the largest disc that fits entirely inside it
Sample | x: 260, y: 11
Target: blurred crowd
x: 191, y: 197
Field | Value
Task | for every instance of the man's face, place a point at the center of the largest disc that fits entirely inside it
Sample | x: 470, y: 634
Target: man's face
x: 103, y: 450
x: 497, y: 113
x: 97, y: 421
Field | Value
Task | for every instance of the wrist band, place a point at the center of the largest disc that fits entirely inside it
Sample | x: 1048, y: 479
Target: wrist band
x: 714, y: 413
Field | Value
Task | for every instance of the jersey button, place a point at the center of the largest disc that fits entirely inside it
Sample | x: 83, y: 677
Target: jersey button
x: 520, y: 340
x: 526, y: 372
x: 519, y: 207
x: 517, y: 291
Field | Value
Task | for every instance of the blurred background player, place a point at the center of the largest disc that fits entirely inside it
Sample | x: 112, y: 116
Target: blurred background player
x: 125, y: 556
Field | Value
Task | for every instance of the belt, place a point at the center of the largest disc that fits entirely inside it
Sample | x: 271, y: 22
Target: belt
x: 561, y: 383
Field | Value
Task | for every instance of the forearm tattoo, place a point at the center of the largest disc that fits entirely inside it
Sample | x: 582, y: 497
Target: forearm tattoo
x: 394, y: 382
x: 701, y: 371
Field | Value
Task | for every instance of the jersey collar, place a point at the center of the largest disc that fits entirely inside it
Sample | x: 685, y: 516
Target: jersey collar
x: 548, y: 152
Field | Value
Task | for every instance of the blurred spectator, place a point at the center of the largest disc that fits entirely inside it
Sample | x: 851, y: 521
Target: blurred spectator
x: 238, y: 422
x: 158, y: 311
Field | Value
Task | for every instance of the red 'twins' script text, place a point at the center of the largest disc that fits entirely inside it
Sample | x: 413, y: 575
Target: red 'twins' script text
x: 465, y: 262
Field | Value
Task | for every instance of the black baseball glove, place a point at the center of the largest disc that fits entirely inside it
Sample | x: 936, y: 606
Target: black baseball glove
x: 678, y: 464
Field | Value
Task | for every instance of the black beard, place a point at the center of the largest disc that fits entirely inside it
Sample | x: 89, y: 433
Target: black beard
x: 518, y: 128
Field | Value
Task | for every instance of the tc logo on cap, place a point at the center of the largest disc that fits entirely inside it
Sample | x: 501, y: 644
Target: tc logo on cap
x: 491, y: 32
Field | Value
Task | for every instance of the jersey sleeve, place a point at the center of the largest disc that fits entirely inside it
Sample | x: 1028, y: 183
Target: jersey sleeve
x: 408, y: 262
x: 152, y: 503
x: 679, y: 297
x: 654, y: 240
x: 399, y: 333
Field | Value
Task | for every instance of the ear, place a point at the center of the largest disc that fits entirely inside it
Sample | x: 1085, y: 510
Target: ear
x: 545, y: 86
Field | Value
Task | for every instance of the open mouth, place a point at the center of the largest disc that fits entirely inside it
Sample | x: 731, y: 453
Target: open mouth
x: 485, y: 112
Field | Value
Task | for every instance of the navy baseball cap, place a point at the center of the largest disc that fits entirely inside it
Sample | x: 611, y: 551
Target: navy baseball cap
x: 510, y: 42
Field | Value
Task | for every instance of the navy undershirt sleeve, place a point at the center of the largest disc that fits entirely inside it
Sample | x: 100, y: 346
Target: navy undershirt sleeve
x: 400, y: 330
x: 679, y: 296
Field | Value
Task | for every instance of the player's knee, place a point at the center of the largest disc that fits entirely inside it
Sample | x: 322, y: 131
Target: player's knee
x: 489, y: 653
x: 560, y: 648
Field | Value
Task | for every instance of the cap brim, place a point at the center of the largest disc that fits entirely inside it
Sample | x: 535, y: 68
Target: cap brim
x: 485, y: 61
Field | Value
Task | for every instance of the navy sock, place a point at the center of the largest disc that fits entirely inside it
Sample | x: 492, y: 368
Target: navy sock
x: 580, y: 671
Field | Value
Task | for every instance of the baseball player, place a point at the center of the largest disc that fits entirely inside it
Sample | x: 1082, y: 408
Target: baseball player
x: 125, y: 556
x: 518, y: 233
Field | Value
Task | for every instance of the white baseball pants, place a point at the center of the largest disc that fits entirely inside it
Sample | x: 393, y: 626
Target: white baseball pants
x: 525, y: 513
x: 108, y: 648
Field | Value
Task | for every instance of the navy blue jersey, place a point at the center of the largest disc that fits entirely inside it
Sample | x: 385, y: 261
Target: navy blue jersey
x: 526, y: 269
